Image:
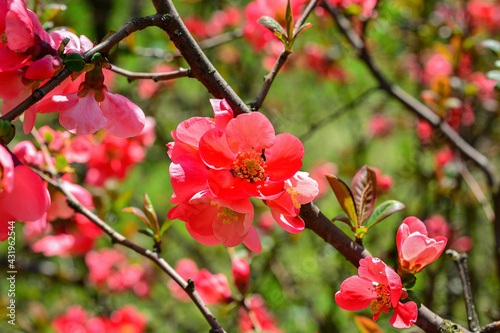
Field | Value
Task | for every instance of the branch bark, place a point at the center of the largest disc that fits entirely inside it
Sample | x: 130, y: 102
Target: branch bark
x: 201, y: 67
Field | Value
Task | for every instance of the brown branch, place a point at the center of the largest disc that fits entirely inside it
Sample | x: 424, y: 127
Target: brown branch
x: 461, y: 263
x: 130, y: 27
x: 269, y: 78
x: 132, y: 76
x: 323, y: 227
x: 201, y: 67
x: 491, y: 328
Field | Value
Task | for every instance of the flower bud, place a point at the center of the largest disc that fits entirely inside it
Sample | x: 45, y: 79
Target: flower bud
x: 241, y: 274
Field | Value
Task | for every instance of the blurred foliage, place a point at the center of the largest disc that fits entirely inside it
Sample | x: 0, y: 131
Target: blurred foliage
x: 297, y: 275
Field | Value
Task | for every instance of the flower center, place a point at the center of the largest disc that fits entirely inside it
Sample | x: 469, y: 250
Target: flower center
x: 294, y: 194
x: 383, y: 300
x: 227, y: 215
x: 249, y: 166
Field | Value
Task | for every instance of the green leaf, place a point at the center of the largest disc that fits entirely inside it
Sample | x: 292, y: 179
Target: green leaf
x: 139, y: 213
x: 74, y: 62
x: 409, y: 281
x: 360, y: 231
x: 384, y: 210
x: 271, y: 24
x: 151, y: 214
x: 289, y: 22
x: 343, y: 218
x: 497, y: 63
x: 412, y: 297
x: 344, y: 196
x: 492, y: 45
x: 146, y: 232
x: 7, y: 131
x: 493, y: 75
x: 303, y: 28
x: 165, y: 225
x: 61, y: 163
x: 364, y: 191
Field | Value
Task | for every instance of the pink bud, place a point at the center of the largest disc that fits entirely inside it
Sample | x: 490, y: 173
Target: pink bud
x: 44, y: 68
x: 241, y: 274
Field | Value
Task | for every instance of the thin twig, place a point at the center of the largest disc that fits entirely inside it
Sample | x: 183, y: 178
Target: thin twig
x: 337, y: 113
x: 118, y: 238
x: 410, y: 102
x: 154, y: 257
x: 476, y: 191
x: 269, y: 78
x: 460, y: 260
x: 132, y: 76
x: 130, y: 27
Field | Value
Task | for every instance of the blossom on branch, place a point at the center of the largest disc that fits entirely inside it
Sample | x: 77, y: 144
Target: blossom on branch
x: 23, y: 194
x: 379, y: 287
x: 415, y: 249
x: 218, y: 164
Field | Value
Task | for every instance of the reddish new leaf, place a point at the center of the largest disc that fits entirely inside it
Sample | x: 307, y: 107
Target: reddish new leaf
x: 344, y: 196
x: 364, y: 191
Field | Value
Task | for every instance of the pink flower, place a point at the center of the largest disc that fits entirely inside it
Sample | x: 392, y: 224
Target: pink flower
x: 212, y: 221
x: 415, y: 249
x: 76, y: 320
x: 241, y: 274
x: 260, y: 312
x: 212, y: 288
x: 379, y: 287
x: 217, y: 164
x: 63, y: 245
x: 438, y: 226
x: 380, y: 125
x: 109, y: 269
x: 248, y: 159
x: 298, y: 190
x: 72, y: 321
x: 126, y: 319
x: 19, y: 185
x: 384, y: 182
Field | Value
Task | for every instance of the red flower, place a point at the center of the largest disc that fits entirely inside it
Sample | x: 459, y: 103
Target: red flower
x: 19, y: 185
x: 248, y: 159
x: 241, y: 274
x: 212, y: 288
x: 261, y: 314
x: 379, y: 287
x: 415, y: 249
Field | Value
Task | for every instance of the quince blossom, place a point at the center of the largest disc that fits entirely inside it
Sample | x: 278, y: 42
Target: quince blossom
x: 217, y: 164
x: 23, y: 195
x: 379, y: 287
x: 212, y: 288
x: 415, y: 249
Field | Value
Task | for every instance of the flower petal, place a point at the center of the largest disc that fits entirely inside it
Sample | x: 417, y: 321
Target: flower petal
x: 405, y: 315
x: 124, y: 118
x: 28, y: 188
x: 215, y: 151
x: 284, y: 158
x: 85, y: 117
x: 355, y: 294
x: 252, y: 241
x: 253, y: 131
